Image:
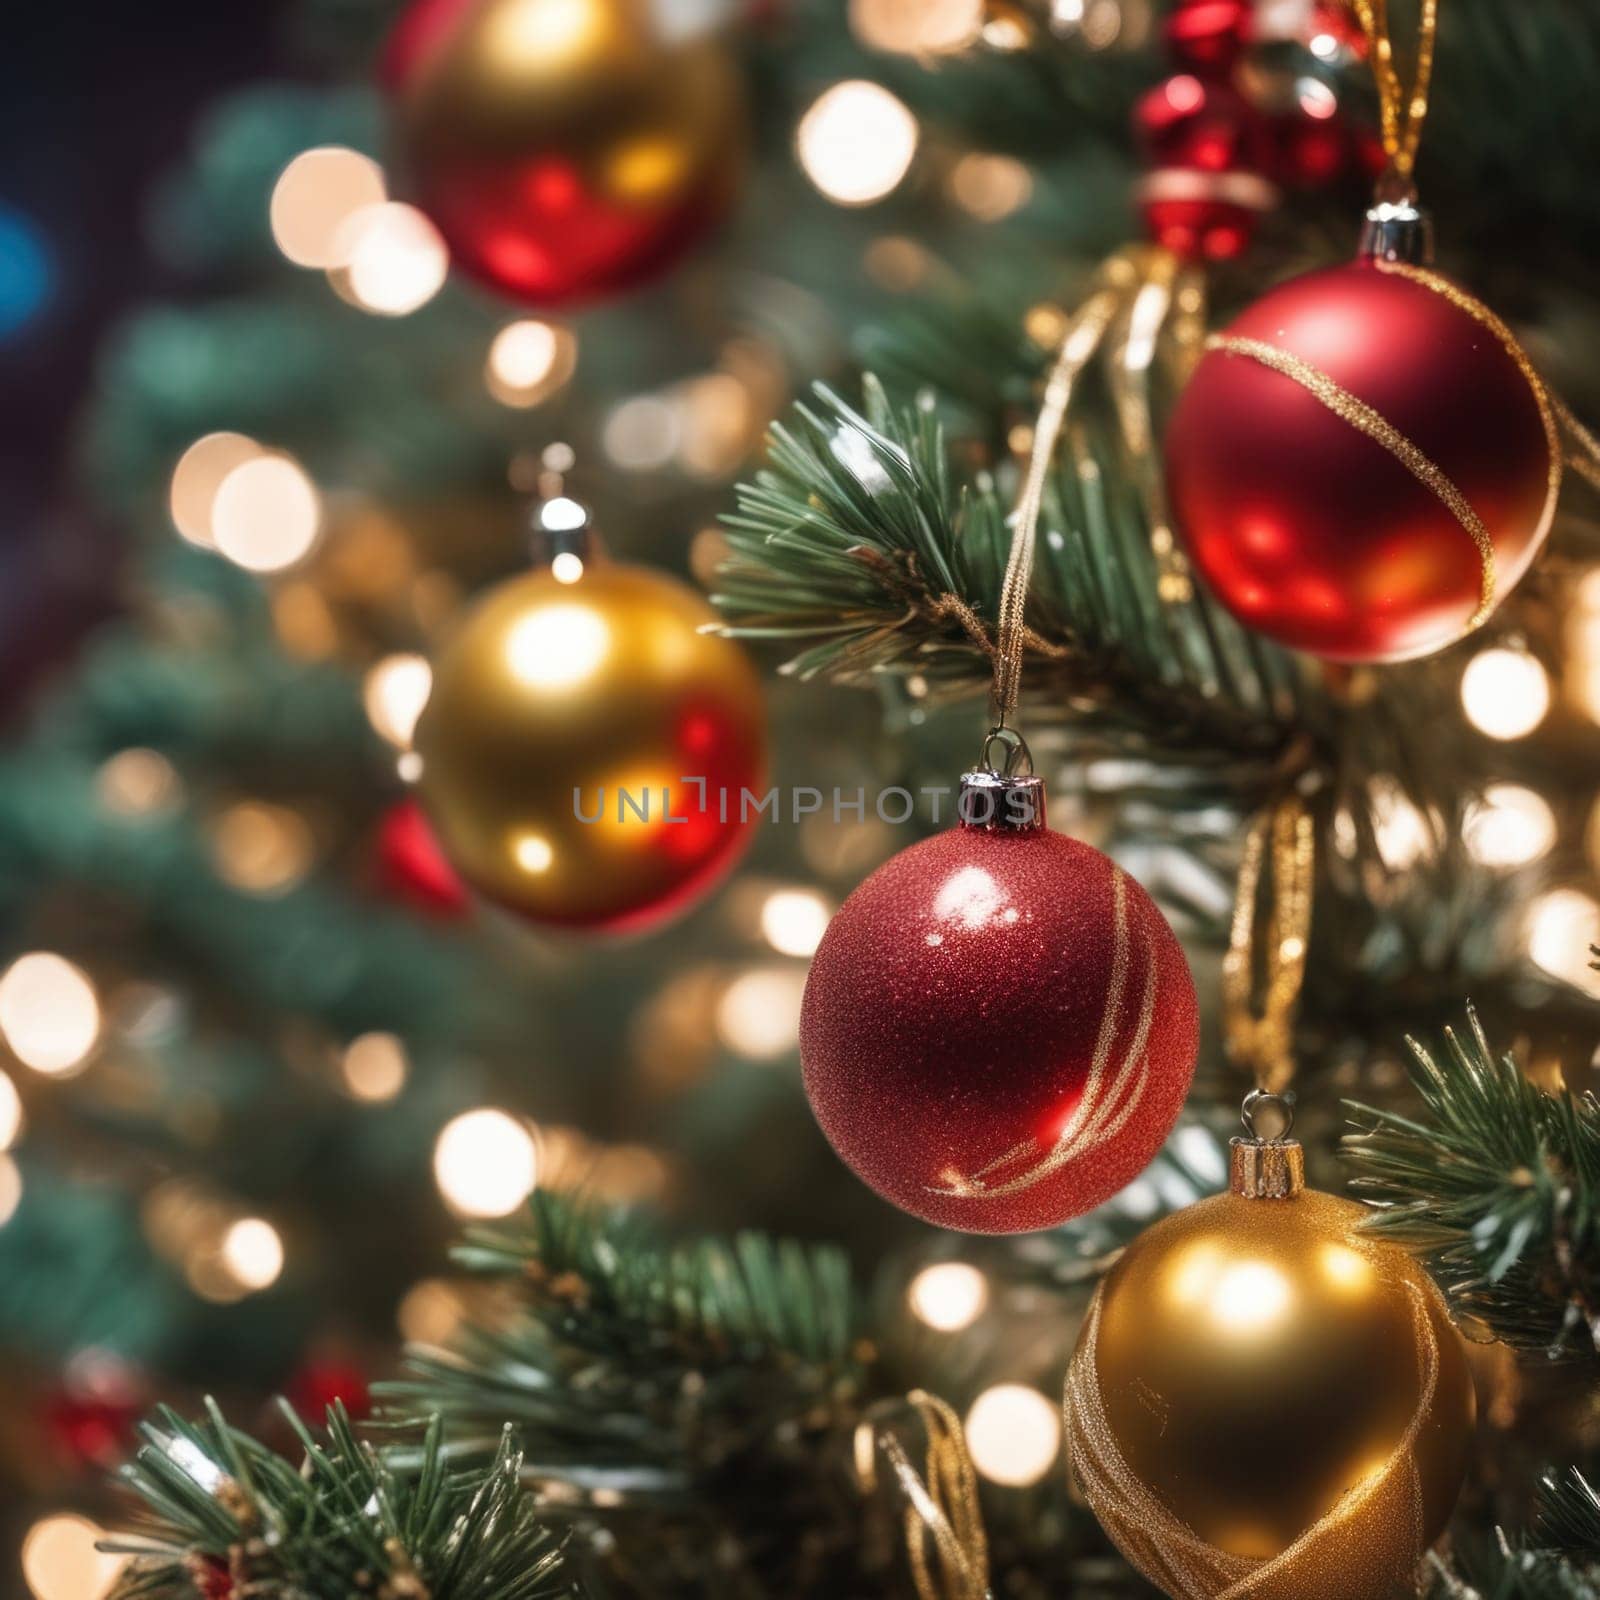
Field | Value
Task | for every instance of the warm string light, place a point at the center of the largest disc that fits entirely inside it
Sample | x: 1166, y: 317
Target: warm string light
x: 392, y: 260
x: 138, y: 783
x: 374, y: 1067
x: 395, y: 692
x: 314, y: 199
x: 252, y: 1253
x: 262, y: 849
x: 1505, y: 692
x: 1508, y: 826
x: 266, y: 514
x: 10, y: 1189
x: 1583, y: 645
x: 917, y: 27
x: 529, y: 361
x: 49, y: 1013
x: 1561, y: 926
x: 10, y: 1112
x: 856, y: 142
x: 793, y: 921
x: 990, y: 187
x: 758, y: 1015
x: 198, y: 476
x: 948, y: 1296
x: 486, y: 1163
x: 60, y: 1560
x: 1013, y: 1434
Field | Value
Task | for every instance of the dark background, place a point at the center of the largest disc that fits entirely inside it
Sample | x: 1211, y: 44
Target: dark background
x: 95, y: 102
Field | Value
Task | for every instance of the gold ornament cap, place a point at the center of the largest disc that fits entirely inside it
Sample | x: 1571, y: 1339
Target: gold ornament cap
x: 1267, y: 1168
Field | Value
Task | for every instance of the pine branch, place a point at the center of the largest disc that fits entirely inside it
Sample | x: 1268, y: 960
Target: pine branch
x: 1497, y: 1183
x: 692, y: 1398
x: 860, y: 538
x: 1569, y: 1516
x: 227, y: 1516
x: 1561, y: 1561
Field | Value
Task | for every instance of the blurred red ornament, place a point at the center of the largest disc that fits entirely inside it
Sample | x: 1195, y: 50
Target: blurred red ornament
x: 999, y: 1026
x: 319, y: 1383
x: 413, y: 864
x: 1204, y: 127
x: 1209, y: 35
x: 1334, y: 31
x: 566, y: 149
x: 1340, y: 476
x: 211, y: 1578
x: 1208, y: 149
x: 92, y: 1416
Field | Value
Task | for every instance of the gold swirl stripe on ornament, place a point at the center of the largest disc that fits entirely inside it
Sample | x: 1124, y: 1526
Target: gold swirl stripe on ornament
x: 1102, y: 1110
x: 1480, y: 313
x: 1377, y: 427
x: 1165, y: 1549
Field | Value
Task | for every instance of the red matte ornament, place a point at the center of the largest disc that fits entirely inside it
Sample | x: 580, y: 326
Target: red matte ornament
x: 318, y: 1384
x: 999, y: 1026
x: 1209, y: 35
x: 1317, y: 533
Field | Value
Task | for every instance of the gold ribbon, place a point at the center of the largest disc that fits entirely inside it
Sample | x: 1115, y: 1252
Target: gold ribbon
x: 1260, y: 1037
x: 945, y: 1539
x: 1401, y: 112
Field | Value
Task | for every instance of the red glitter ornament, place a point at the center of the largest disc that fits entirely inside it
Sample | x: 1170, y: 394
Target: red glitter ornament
x: 414, y: 865
x: 999, y: 1026
x: 566, y: 149
x: 1364, y: 464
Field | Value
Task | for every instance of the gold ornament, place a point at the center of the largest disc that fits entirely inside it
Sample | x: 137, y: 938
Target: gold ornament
x: 585, y: 747
x: 565, y: 148
x: 1268, y: 1403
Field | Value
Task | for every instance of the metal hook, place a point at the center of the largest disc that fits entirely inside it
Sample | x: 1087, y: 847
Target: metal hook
x: 1019, y: 758
x: 1259, y: 1100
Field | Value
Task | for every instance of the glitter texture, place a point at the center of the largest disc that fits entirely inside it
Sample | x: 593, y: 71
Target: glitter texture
x: 998, y: 1030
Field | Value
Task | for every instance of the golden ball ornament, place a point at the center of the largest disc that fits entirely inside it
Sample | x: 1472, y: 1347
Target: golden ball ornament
x: 586, y: 747
x: 1268, y: 1402
x: 566, y: 149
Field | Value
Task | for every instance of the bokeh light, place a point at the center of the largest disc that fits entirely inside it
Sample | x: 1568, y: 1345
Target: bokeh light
x: 201, y: 469
x: 395, y: 692
x: 252, y: 1253
x: 758, y: 1014
x: 794, y: 921
x: 315, y: 197
x: 948, y: 1296
x: 529, y: 361
x: 266, y: 514
x: 262, y: 849
x: 856, y: 142
x: 1562, y: 924
x: 27, y: 271
x: 10, y: 1112
x: 10, y: 1189
x: 1505, y: 692
x: 916, y: 27
x: 138, y: 783
x: 60, y: 1561
x: 642, y: 434
x: 374, y: 1067
x: 1014, y: 1434
x: 392, y: 260
x: 990, y: 187
x: 486, y: 1163
x: 1508, y: 826
x: 49, y: 1013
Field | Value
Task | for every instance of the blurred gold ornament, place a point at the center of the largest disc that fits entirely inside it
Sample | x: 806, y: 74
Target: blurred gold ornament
x: 1267, y: 1401
x: 586, y: 746
x: 566, y: 148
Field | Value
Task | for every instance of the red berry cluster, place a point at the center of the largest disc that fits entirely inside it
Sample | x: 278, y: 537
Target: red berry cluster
x: 1225, y: 134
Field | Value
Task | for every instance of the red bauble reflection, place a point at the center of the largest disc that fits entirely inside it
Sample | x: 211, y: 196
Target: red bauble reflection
x: 319, y: 1383
x: 566, y: 149
x: 1315, y: 533
x: 999, y: 1029
x: 414, y: 865
x: 1209, y: 34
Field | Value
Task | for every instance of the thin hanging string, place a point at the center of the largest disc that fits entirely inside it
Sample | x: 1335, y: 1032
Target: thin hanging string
x: 1258, y: 1021
x: 1401, y: 112
x: 1077, y: 348
x: 945, y: 1540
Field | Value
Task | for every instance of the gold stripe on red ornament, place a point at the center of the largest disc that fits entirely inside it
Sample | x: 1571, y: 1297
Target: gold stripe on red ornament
x: 1362, y: 417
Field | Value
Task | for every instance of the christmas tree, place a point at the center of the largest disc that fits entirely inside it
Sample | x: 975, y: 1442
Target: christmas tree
x: 594, y: 463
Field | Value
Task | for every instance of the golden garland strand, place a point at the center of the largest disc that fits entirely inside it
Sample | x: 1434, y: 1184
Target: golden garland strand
x: 1260, y: 1037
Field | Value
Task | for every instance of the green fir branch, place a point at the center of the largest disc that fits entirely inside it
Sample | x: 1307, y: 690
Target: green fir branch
x: 861, y: 541
x: 1497, y: 1184
x: 225, y: 1515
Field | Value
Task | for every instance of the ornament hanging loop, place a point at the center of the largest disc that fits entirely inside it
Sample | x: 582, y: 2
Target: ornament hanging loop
x: 1018, y: 758
x: 1401, y: 111
x: 1269, y: 1165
